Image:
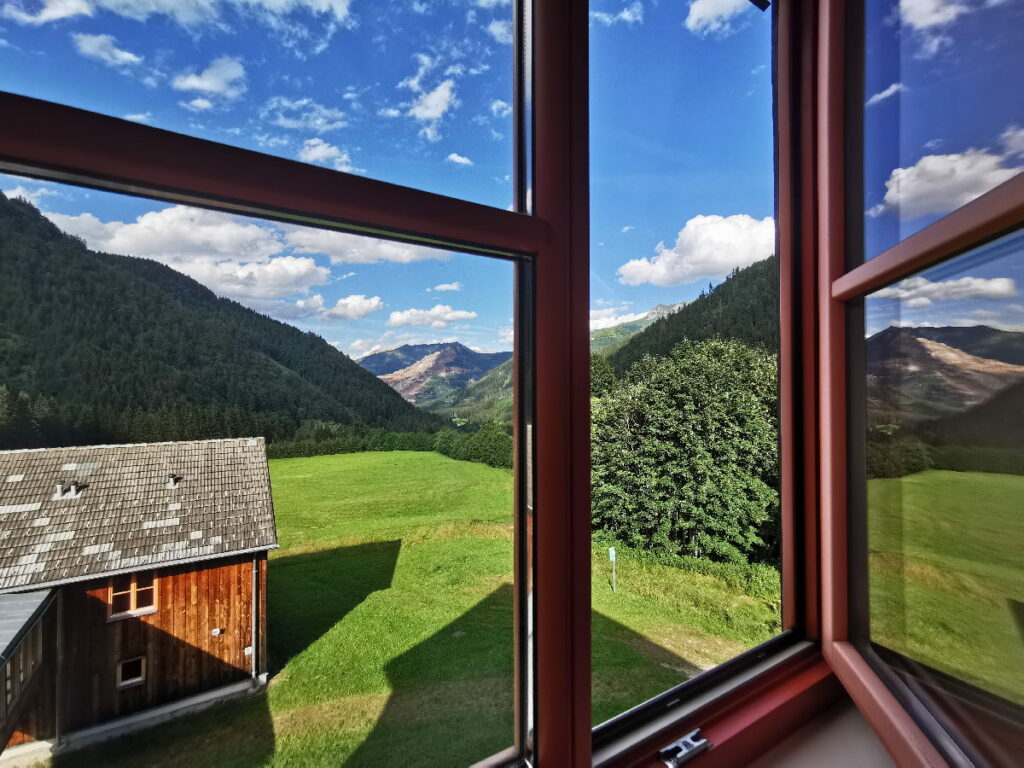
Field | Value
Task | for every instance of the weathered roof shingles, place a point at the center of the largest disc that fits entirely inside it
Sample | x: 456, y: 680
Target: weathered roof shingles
x: 129, y: 516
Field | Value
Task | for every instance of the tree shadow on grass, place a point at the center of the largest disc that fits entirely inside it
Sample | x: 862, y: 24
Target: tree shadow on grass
x: 308, y: 594
x: 464, y: 712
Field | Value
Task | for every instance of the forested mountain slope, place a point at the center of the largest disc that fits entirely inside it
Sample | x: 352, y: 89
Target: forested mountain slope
x: 113, y: 348
x: 744, y: 307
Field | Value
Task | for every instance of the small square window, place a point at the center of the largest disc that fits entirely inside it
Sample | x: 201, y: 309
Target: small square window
x: 131, y: 672
x: 132, y: 594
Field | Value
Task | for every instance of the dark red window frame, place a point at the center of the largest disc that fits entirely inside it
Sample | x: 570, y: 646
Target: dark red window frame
x: 781, y: 691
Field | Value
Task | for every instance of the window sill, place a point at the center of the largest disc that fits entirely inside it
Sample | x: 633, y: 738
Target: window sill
x: 794, y: 674
x: 130, y: 614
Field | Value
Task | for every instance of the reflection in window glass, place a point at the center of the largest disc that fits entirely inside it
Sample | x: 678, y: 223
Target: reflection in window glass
x: 940, y: 125
x: 214, y: 385
x: 415, y: 92
x: 684, y: 339
x: 945, y: 462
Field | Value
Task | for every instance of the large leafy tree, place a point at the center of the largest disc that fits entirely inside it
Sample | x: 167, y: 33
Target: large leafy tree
x: 685, y: 456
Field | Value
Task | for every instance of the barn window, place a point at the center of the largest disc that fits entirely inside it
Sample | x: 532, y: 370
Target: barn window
x: 131, y: 672
x: 132, y: 594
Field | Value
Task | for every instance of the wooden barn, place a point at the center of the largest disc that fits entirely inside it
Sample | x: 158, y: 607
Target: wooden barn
x: 132, y: 584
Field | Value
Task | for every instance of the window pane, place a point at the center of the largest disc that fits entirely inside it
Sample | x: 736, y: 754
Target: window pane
x: 122, y: 583
x: 416, y: 93
x: 940, y: 125
x: 131, y: 670
x: 684, y: 442
x: 945, y: 462
x: 332, y: 375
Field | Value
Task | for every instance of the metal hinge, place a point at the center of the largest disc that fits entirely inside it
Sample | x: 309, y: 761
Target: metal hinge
x: 678, y: 752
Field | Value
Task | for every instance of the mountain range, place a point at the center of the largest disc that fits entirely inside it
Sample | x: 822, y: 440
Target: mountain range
x: 426, y: 372
x: 115, y: 348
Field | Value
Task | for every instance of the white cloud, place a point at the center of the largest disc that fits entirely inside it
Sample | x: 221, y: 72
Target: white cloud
x: 491, y: 3
x: 302, y: 114
x: 447, y: 287
x: 714, y: 17
x: 884, y: 94
x: 431, y: 106
x: 507, y: 335
x: 32, y: 195
x: 458, y: 159
x: 707, y: 247
x: 198, y: 104
x: 319, y: 151
x: 104, y: 48
x: 342, y: 248
x: 389, y: 112
x: 279, y: 276
x: 424, y: 64
x: 270, y: 141
x: 438, y: 316
x: 139, y: 117
x: 500, y: 108
x: 942, y: 183
x: 606, y: 317
x: 1013, y: 140
x: 500, y: 31
x: 225, y: 76
x: 921, y: 292
x: 354, y: 307
x: 627, y: 228
x: 926, y: 14
x: 631, y: 14
x: 187, y: 13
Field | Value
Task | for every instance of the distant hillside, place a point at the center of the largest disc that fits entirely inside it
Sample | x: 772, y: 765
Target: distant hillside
x: 607, y: 340
x: 392, y: 360
x: 115, y: 348
x: 980, y: 340
x: 996, y: 423
x: 745, y: 307
x: 916, y: 374
x: 440, y: 373
x: 483, y: 401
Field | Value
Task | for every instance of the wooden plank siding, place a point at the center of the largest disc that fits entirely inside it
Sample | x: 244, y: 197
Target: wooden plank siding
x: 32, y: 717
x: 183, y: 656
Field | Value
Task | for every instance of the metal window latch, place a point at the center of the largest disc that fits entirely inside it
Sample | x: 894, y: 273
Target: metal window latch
x: 680, y: 751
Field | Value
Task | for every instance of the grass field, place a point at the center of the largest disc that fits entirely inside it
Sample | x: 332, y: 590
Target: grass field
x: 390, y: 625
x: 947, y: 574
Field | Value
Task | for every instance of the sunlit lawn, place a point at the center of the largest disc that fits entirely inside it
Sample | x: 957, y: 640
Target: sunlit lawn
x: 946, y: 572
x: 391, y: 625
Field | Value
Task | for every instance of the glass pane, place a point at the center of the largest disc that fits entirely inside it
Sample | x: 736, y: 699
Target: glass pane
x: 945, y: 462
x: 940, y: 126
x: 122, y: 583
x: 684, y: 442
x: 417, y: 93
x: 131, y: 670
x: 122, y: 603
x: 331, y: 374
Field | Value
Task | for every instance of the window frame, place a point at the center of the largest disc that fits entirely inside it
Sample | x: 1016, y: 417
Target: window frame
x: 746, y: 709
x: 133, y: 593
x: 907, y: 729
x: 132, y: 682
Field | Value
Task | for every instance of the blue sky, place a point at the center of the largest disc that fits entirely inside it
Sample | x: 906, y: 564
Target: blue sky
x: 416, y: 92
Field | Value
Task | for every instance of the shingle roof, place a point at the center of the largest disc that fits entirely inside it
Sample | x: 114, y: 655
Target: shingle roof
x: 128, y: 514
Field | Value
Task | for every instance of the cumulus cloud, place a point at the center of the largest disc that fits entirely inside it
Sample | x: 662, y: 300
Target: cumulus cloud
x: 198, y: 104
x: 225, y: 76
x: 342, y: 248
x: 921, y: 292
x: 501, y: 108
x: 884, y: 94
x: 707, y: 247
x: 103, y: 48
x: 302, y: 114
x: 319, y: 151
x: 139, y: 117
x: 187, y: 13
x: 424, y: 64
x: 34, y: 195
x: 458, y: 159
x: 507, y: 335
x: 930, y: 21
x: 938, y: 184
x: 607, y: 317
x: 500, y: 31
x: 431, y: 106
x: 354, y: 307
x: 1012, y: 140
x: 230, y: 255
x: 714, y: 17
x: 389, y: 112
x: 447, y: 287
x: 438, y: 316
x: 631, y: 14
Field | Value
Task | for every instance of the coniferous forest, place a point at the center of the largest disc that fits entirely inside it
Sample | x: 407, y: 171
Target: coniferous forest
x: 100, y: 348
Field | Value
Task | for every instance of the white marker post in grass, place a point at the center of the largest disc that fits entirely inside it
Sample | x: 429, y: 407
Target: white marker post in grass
x: 611, y: 556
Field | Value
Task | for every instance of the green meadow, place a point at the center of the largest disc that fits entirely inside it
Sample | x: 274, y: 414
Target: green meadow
x: 390, y: 625
x: 947, y: 582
